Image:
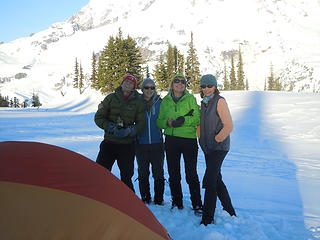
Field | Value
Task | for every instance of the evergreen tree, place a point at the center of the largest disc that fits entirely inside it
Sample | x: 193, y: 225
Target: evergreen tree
x: 178, y: 61
x: 226, y: 85
x: 247, y: 84
x: 180, y: 64
x: 147, y: 72
x: 76, y: 75
x: 240, y: 74
x: 233, y: 80
x: 94, y: 73
x: 35, y: 100
x: 118, y: 58
x: 171, y: 65
x: 16, y: 103
x: 192, y: 71
x: 4, y: 101
x: 81, y: 78
x: 160, y: 74
x: 272, y: 82
x: 265, y: 85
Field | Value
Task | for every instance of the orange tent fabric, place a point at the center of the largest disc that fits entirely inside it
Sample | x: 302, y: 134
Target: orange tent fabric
x: 48, y: 192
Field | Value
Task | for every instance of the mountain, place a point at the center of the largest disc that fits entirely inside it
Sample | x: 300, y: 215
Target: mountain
x: 283, y: 33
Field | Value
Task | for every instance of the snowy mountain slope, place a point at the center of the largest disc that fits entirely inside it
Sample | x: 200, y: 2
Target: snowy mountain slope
x: 284, y: 33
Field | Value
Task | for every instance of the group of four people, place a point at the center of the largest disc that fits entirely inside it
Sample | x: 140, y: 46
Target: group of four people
x: 134, y: 125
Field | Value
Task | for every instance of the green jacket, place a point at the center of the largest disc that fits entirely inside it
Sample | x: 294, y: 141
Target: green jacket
x: 131, y: 111
x: 170, y: 109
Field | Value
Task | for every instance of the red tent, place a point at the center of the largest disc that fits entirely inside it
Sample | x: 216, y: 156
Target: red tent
x: 48, y: 192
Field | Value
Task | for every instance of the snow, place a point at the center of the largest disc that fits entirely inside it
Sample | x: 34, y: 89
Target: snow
x: 277, y: 32
x: 272, y: 170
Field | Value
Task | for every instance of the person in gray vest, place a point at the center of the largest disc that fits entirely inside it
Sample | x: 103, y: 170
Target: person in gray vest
x: 215, y: 128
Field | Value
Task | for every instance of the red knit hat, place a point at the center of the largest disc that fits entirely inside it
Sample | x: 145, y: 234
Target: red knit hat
x: 132, y: 78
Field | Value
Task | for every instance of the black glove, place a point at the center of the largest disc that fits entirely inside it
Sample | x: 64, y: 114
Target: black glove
x: 111, y: 127
x: 130, y: 131
x: 190, y: 113
x: 178, y: 122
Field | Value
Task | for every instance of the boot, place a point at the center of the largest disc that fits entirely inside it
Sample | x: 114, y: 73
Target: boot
x: 176, y: 194
x: 158, y: 191
x: 195, y: 197
x: 209, y: 206
x: 144, y: 188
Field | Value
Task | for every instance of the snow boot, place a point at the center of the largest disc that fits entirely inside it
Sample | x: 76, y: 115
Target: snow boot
x: 144, y: 188
x: 158, y: 191
x: 176, y: 195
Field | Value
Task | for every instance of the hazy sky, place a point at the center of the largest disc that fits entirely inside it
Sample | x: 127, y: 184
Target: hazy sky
x: 20, y: 18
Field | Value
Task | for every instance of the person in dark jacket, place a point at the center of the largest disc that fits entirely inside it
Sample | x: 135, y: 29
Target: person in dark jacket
x: 215, y: 128
x: 149, y: 147
x: 179, y: 116
x: 121, y: 117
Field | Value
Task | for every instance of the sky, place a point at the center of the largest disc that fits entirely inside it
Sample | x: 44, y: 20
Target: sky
x: 19, y: 18
x: 272, y: 170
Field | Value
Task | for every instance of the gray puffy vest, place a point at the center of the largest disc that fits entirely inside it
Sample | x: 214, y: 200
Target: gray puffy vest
x: 210, y: 126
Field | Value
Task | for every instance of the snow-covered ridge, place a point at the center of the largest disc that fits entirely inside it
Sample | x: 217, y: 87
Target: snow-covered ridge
x: 281, y: 33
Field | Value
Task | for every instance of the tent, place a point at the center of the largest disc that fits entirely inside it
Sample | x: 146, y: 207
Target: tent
x: 48, y: 192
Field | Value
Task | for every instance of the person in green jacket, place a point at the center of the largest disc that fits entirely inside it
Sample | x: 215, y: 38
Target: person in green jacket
x: 179, y: 116
x: 121, y: 116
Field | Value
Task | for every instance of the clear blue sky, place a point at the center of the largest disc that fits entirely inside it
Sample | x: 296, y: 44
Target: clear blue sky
x: 20, y: 18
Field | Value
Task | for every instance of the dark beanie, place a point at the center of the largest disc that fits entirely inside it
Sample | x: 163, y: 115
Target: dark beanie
x: 208, y: 79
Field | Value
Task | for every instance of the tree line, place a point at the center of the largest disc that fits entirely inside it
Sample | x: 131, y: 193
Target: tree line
x: 15, y: 103
x: 121, y: 55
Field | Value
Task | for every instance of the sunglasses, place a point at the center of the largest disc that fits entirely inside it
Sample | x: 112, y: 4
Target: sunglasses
x: 151, y: 87
x: 208, y: 86
x: 176, y: 80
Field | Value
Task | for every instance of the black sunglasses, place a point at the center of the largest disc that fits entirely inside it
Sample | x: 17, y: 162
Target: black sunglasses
x: 208, y: 86
x: 176, y: 80
x: 151, y: 87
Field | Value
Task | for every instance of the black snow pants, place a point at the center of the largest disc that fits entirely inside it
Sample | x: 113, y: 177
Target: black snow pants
x: 188, y: 147
x: 215, y: 187
x: 124, y: 154
x: 150, y: 154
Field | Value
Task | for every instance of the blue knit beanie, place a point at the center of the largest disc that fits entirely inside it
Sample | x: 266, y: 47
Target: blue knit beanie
x: 147, y: 81
x: 208, y: 79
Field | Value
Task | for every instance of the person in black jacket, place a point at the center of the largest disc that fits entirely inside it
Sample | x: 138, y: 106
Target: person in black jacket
x: 121, y: 117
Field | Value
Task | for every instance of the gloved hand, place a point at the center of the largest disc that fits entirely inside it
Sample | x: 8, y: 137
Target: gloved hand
x: 130, y: 131
x: 133, y: 130
x: 121, y: 132
x: 111, y: 127
x: 178, y: 122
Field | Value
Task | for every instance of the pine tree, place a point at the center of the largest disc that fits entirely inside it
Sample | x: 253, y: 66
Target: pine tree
x: 160, y: 74
x: 170, y: 63
x: 35, y: 100
x: 271, y: 81
x: 4, y: 101
x: 233, y: 80
x: 265, y: 85
x: 81, y: 78
x: 226, y: 85
x: 118, y: 58
x: 240, y: 73
x: 76, y: 75
x: 94, y: 73
x: 247, y: 84
x: 147, y: 72
x: 192, y: 71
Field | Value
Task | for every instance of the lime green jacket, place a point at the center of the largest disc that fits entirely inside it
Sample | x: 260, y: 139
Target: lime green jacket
x: 170, y: 109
